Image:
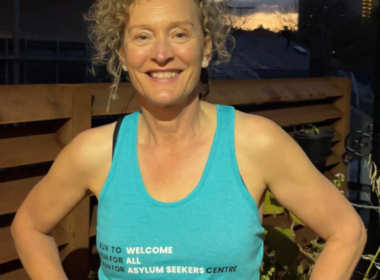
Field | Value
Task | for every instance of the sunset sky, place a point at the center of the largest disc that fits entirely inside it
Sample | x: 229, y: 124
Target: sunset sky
x: 259, y: 2
x: 265, y: 14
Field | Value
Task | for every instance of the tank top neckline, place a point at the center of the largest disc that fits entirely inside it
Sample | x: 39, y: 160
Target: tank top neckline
x: 140, y: 183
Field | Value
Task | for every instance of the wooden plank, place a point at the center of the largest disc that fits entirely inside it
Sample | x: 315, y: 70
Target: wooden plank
x: 302, y: 115
x: 94, y: 257
x: 338, y: 137
x: 30, y: 128
x: 242, y: 92
x: 19, y: 274
x: 13, y: 193
x: 27, y: 103
x: 75, y: 255
x: 8, y: 251
x: 54, y: 101
x: 28, y: 150
x: 94, y: 250
x: 127, y: 101
x: 94, y: 220
x: 333, y: 159
x: 226, y: 92
x: 24, y: 171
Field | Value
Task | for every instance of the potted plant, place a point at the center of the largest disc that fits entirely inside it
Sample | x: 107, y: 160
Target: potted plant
x: 316, y: 143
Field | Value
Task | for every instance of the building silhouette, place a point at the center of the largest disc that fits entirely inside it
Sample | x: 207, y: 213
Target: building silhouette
x: 43, y: 41
x: 320, y: 20
x: 367, y: 7
x: 317, y: 16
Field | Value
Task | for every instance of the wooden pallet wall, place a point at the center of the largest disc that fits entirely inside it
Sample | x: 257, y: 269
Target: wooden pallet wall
x: 37, y: 121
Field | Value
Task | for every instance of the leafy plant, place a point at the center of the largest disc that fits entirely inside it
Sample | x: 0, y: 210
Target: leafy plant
x: 339, y: 181
x: 312, y: 131
x: 284, y: 259
x: 375, y: 183
x: 268, y: 275
x: 93, y: 276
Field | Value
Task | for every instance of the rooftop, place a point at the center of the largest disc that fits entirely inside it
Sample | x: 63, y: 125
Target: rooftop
x: 263, y: 54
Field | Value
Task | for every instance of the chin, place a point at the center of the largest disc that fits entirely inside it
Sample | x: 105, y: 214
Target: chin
x: 163, y: 99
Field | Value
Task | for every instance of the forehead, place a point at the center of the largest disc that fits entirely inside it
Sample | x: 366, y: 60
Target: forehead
x: 158, y: 12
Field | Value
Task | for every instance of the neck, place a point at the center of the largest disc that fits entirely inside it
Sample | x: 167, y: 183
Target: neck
x: 171, y: 125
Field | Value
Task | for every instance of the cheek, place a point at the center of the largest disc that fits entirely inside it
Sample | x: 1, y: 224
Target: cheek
x: 136, y: 56
x: 190, y: 55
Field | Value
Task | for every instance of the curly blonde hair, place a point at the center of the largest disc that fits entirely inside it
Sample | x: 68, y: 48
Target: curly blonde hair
x: 107, y: 20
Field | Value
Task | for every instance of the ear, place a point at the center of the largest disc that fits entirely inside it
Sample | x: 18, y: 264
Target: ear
x: 207, y: 51
x: 122, y: 56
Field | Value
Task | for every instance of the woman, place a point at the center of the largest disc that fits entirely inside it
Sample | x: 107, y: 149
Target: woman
x: 181, y: 195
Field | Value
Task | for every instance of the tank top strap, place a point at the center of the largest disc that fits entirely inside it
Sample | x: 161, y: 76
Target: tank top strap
x: 225, y: 166
x: 126, y: 135
x: 226, y: 124
x: 123, y: 140
x: 116, y: 133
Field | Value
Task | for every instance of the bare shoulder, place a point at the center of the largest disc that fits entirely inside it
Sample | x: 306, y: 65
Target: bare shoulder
x: 69, y: 180
x: 258, y: 134
x: 90, y: 147
x: 293, y: 179
x: 271, y: 146
x: 254, y: 136
x: 78, y: 165
x: 90, y: 152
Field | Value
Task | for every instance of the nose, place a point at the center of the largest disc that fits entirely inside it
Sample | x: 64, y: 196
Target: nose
x: 162, y: 51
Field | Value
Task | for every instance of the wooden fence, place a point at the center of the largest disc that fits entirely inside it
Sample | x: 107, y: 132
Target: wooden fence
x: 37, y: 121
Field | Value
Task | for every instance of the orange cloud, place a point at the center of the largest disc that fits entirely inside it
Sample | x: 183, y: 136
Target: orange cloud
x: 274, y: 21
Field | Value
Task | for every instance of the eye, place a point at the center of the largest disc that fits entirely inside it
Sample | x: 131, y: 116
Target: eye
x: 180, y: 35
x: 142, y: 37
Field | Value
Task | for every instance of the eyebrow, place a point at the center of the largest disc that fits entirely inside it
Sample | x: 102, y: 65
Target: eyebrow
x: 176, y: 23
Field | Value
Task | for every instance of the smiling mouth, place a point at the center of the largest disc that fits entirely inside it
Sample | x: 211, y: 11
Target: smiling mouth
x: 164, y: 75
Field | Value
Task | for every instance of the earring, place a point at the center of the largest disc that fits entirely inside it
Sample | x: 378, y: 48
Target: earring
x: 124, y: 68
x: 204, y: 63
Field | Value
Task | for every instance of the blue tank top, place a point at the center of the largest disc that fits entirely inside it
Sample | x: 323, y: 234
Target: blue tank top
x: 213, y: 233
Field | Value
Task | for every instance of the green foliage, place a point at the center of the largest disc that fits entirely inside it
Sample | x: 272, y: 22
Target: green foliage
x: 374, y: 175
x: 281, y: 241
x: 312, y: 131
x: 268, y: 275
x: 339, y: 181
x: 283, y: 257
x: 93, y: 276
x: 295, y: 219
x: 271, y: 206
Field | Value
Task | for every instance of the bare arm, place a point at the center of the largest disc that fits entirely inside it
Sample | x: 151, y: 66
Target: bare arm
x: 48, y: 203
x: 303, y: 190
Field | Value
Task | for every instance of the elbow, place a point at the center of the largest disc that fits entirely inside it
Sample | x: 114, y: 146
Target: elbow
x: 20, y: 234
x: 362, y: 236
x: 353, y: 234
x: 18, y: 229
x: 15, y: 234
x: 360, y: 232
x: 15, y: 229
x: 358, y: 235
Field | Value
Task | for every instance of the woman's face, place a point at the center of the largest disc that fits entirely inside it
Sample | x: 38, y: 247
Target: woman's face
x: 163, y: 49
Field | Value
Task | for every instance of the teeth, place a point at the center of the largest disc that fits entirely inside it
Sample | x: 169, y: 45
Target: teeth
x: 162, y: 75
